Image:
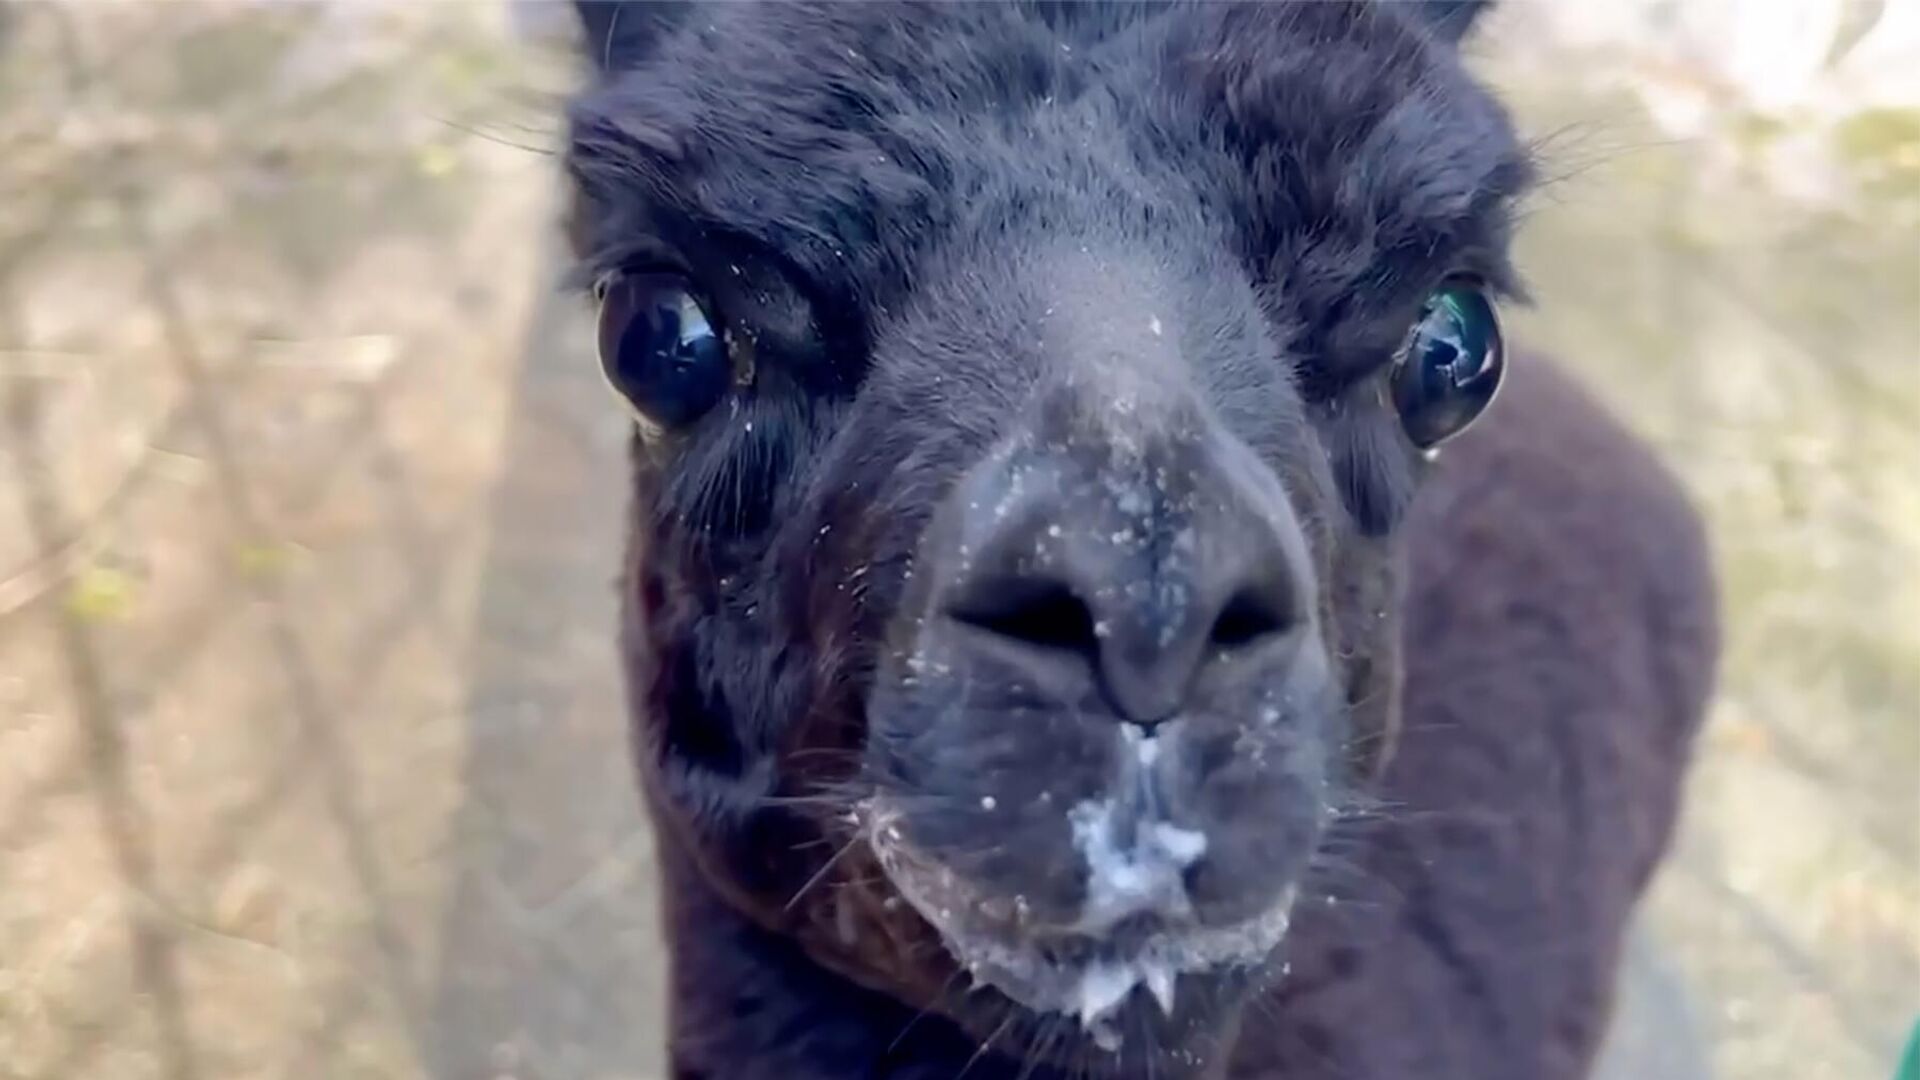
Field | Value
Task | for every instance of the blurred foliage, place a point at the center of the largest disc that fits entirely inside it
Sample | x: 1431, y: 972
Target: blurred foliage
x: 268, y: 126
x: 101, y: 593
x: 1743, y: 284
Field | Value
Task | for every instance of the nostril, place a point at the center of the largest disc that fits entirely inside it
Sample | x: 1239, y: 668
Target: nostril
x: 1042, y: 613
x: 1249, y: 617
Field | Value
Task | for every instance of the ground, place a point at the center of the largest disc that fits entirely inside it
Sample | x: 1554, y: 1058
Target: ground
x: 310, y: 747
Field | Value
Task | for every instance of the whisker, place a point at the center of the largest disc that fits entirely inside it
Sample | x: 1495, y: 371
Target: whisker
x: 1038, y: 1048
x: 946, y: 991
x: 982, y: 1052
x: 820, y: 874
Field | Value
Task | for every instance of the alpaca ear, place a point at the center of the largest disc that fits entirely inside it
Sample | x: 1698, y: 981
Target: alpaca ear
x: 617, y: 34
x: 1449, y: 20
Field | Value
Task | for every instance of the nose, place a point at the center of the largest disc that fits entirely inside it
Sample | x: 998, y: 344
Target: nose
x: 1147, y: 569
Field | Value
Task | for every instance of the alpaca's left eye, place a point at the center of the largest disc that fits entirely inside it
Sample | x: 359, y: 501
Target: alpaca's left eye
x: 660, y: 349
x: 1450, y: 367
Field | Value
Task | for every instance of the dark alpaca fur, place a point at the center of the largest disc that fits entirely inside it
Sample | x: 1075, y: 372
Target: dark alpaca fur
x: 1524, y: 628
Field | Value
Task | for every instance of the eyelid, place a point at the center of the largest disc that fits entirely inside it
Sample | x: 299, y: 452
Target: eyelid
x: 708, y: 299
x: 637, y: 259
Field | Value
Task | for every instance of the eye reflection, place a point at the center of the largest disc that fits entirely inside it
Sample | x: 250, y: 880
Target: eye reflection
x: 659, y: 348
x: 1452, y: 365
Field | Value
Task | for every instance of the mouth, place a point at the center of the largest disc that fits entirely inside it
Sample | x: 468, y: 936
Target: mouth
x: 1089, y: 970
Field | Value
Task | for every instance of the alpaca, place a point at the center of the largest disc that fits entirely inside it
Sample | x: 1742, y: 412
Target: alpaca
x: 1087, y: 610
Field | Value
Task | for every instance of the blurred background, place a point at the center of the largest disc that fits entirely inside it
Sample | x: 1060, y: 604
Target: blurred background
x: 310, y: 749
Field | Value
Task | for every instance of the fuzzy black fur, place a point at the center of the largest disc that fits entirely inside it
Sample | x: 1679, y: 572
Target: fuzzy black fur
x: 889, y: 201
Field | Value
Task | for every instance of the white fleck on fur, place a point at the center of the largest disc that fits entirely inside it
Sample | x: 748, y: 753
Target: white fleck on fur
x: 1184, y: 846
x: 1145, y: 877
x: 1102, y: 988
x: 1148, y: 748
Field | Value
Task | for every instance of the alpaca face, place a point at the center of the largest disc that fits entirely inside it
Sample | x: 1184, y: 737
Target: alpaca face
x: 1025, y: 401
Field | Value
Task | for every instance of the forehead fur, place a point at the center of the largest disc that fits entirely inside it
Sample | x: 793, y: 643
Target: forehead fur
x: 1335, y: 148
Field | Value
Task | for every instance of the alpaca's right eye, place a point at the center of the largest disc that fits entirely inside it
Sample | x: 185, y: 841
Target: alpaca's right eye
x: 660, y: 349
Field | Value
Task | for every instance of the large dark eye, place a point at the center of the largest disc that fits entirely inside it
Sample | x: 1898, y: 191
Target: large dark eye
x: 1451, y: 366
x: 659, y: 348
